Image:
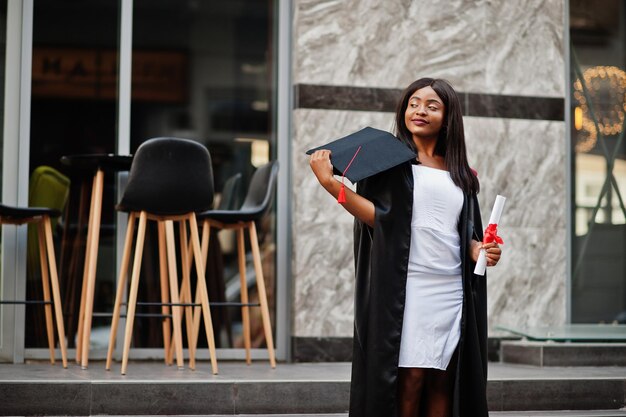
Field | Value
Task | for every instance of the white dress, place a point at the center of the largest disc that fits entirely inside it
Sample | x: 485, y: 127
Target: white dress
x: 434, y: 291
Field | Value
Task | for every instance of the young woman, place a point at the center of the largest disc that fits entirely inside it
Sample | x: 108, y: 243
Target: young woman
x: 420, y: 330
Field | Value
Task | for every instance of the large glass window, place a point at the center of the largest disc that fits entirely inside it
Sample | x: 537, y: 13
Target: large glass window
x: 203, y: 70
x: 73, y: 111
x: 598, y: 109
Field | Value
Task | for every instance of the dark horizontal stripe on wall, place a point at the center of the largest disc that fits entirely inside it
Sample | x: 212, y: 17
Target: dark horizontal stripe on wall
x: 339, y: 349
x: 332, y: 97
x: 321, y: 349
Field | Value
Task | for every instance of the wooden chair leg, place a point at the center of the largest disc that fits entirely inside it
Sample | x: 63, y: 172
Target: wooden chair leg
x: 81, y: 314
x: 56, y: 292
x: 245, y: 310
x: 165, y: 294
x: 121, y: 287
x: 83, y: 292
x: 208, y: 324
x: 204, y: 249
x: 173, y: 275
x: 260, y: 282
x: 186, y: 292
x: 204, y: 244
x: 93, y: 260
x: 45, y: 281
x: 134, y: 285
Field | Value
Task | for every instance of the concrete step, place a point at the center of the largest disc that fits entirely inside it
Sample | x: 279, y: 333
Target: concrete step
x: 591, y: 413
x: 563, y: 353
x: 303, y: 388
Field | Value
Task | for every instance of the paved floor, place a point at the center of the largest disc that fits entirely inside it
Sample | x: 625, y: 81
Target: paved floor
x: 599, y: 413
x: 157, y: 371
x: 260, y: 371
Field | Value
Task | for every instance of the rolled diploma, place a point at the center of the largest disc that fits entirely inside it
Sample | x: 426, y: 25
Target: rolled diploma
x: 481, y: 263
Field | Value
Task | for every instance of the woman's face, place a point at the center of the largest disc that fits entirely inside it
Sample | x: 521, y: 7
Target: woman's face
x: 424, y: 114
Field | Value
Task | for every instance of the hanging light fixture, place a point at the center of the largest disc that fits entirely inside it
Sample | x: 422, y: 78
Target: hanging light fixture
x: 606, y: 88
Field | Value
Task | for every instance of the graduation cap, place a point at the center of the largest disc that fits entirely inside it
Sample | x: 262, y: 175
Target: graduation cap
x: 365, y: 153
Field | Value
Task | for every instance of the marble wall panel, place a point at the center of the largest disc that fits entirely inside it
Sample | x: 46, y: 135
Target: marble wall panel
x: 323, y: 263
x: 480, y: 46
x: 524, y: 161
x: 527, y: 288
x: 521, y: 159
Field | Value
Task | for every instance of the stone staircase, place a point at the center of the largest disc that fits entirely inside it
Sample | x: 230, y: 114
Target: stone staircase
x: 532, y: 379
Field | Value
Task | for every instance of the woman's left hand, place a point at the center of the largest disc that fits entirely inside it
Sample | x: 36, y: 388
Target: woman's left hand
x: 492, y: 251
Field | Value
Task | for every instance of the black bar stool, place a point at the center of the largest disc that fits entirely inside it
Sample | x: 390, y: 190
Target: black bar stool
x: 170, y: 179
x: 229, y: 200
x: 257, y: 202
x: 49, y: 275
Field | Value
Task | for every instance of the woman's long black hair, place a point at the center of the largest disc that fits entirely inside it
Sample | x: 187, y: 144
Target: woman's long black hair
x: 451, y: 141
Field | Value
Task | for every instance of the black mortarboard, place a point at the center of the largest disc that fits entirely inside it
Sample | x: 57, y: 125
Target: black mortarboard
x: 366, y: 152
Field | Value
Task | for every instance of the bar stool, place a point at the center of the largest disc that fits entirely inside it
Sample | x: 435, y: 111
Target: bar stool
x: 170, y: 179
x: 98, y: 164
x: 229, y: 200
x: 49, y: 276
x: 257, y: 202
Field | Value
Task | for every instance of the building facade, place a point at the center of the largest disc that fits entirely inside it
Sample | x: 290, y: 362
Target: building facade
x: 508, y: 64
x: 542, y: 86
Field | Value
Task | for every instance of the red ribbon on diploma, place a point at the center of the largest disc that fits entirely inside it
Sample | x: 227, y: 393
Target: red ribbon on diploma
x: 491, y: 234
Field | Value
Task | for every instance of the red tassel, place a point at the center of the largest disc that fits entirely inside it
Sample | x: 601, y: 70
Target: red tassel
x: 341, y: 198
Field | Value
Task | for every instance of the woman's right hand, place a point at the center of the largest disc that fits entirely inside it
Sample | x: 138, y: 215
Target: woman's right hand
x: 322, y: 168
x: 357, y: 205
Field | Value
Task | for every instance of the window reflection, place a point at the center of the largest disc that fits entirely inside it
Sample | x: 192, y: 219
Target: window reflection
x: 598, y: 89
x: 73, y: 111
x: 203, y: 70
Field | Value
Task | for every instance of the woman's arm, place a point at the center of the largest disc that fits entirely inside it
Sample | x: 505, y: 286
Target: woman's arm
x: 359, y: 206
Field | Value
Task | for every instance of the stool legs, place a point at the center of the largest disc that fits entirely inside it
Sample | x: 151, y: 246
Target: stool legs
x: 186, y: 291
x: 173, y: 278
x: 165, y: 295
x: 121, y: 287
x: 46, y: 288
x: 90, y: 263
x: 204, y: 250
x: 245, y: 309
x: 56, y: 293
x: 208, y: 324
x: 50, y: 280
x: 83, y: 291
x: 260, y: 282
x: 168, y: 275
x: 134, y: 285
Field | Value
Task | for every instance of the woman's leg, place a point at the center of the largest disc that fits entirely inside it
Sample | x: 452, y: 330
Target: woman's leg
x: 410, y: 385
x: 439, y: 386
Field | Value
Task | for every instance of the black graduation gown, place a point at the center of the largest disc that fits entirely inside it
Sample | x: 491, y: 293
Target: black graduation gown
x: 381, y: 260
